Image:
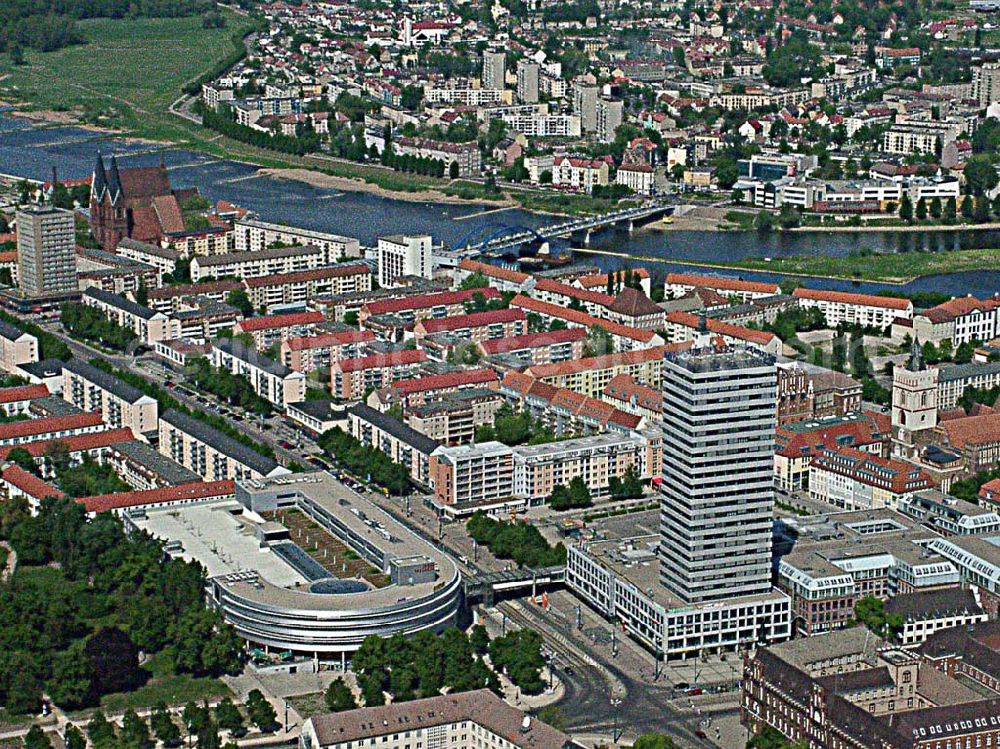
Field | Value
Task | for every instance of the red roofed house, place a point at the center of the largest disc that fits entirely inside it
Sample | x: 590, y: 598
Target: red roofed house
x: 308, y: 353
x: 633, y: 308
x: 350, y: 378
x: 168, y: 496
x: 546, y: 347
x: 501, y: 279
x: 578, y: 173
x: 424, y: 306
x: 419, y: 390
x: 480, y: 326
x: 856, y: 480
x: 679, y: 284
x: 977, y: 438
x: 623, y: 337
x: 15, y: 400
x: 625, y: 393
x: 18, y: 483
x: 273, y: 328
x: 866, y: 310
x: 49, y: 428
x: 958, y: 320
x: 684, y: 326
x: 796, y: 444
x: 94, y: 444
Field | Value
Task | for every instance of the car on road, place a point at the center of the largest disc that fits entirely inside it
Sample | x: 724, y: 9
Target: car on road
x: 285, y: 444
x: 568, y: 671
x: 694, y: 691
x: 700, y: 734
x: 682, y: 686
x: 318, y: 463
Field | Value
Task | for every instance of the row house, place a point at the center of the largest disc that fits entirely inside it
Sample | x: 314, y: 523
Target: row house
x: 418, y: 390
x: 168, y: 299
x: 959, y: 320
x: 591, y: 375
x: 499, y: 279
x: 685, y: 327
x: 49, y: 428
x: 16, y: 400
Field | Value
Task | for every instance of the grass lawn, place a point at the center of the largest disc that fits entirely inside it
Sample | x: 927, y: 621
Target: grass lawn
x: 308, y: 704
x: 880, y: 267
x: 127, y: 74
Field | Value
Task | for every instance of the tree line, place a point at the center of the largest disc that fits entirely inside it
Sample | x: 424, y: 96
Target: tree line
x: 76, y: 630
x: 90, y: 324
x: 233, y: 389
x: 521, y: 542
x: 225, y: 123
x: 362, y: 460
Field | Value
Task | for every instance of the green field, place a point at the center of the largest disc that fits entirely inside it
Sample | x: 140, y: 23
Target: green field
x: 126, y: 76
x: 879, y: 267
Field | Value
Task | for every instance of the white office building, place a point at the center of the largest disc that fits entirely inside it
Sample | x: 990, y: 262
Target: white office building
x: 403, y: 255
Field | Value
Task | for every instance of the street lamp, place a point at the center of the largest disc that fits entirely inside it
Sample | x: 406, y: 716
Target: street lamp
x: 616, y: 734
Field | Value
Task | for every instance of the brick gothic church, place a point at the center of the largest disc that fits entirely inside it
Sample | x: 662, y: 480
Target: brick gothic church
x: 138, y: 203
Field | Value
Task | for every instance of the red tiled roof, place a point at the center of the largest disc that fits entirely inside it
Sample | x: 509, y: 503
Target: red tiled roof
x: 873, y: 470
x: 972, y: 430
x: 958, y: 307
x: 600, y: 280
x: 48, y: 425
x: 252, y: 324
x: 192, y: 491
x: 799, y: 442
x: 493, y: 271
x: 23, y: 393
x: 554, y: 287
x: 191, y: 289
x: 302, y: 276
x: 377, y: 361
x: 475, y: 320
x: 990, y: 491
x: 719, y: 282
x: 607, y: 361
x: 532, y: 340
x: 340, y: 338
x: 424, y: 301
x: 576, y: 403
x: 847, y: 297
x: 622, y: 387
x: 447, y: 380
x: 76, y: 443
x: 581, y: 318
x: 29, y: 483
x: 689, y: 320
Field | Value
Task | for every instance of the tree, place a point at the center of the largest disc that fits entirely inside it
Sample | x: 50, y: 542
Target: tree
x: 479, y: 639
x: 228, y: 716
x: 100, y: 732
x: 981, y: 210
x: 135, y: 732
x: 763, y: 222
x: 22, y: 458
x: 789, y: 217
x: 70, y: 684
x: 906, y: 208
x: 654, y: 741
x: 239, y: 299
x: 339, y: 697
x: 16, y: 52
x: 142, y: 295
x: 980, y: 175
x: 870, y: 611
x: 164, y: 727
x: 74, y: 738
x: 967, y: 206
x: 453, y: 170
x: 519, y: 654
x: 260, y: 711
x: 950, y: 211
x: 936, y: 207
x: 921, y: 211
x: 112, y: 654
x: 36, y: 739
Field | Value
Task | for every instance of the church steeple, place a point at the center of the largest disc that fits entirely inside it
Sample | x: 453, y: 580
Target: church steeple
x: 916, y: 360
x: 99, y: 183
x: 114, y: 181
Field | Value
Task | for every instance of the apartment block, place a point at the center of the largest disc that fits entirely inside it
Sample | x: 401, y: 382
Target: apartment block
x: 623, y: 338
x: 482, y: 473
x: 402, y: 255
x: 308, y: 353
x: 148, y: 325
x: 164, y: 259
x: 16, y: 347
x: 401, y: 443
x: 418, y: 390
x: 535, y: 349
x: 274, y: 382
x: 454, y: 418
x: 859, y: 309
x: 591, y: 375
x: 679, y: 284
x: 46, y: 259
x: 17, y: 399
x: 857, y: 480
x: 49, y: 428
x: 351, y: 378
x: 254, y: 235
x: 118, y: 403
x: 208, y: 452
x: 273, y: 262
x: 271, y: 329
x: 477, y: 327
x: 435, y: 306
x: 301, y: 287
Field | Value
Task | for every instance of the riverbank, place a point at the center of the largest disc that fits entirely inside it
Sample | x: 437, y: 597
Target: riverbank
x: 874, y: 227
x: 355, y: 184
x: 894, y: 269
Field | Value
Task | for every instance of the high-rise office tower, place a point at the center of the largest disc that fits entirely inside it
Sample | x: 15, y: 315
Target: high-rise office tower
x: 527, y: 81
x: 585, y: 105
x: 46, y: 256
x: 494, y: 70
x: 718, y: 464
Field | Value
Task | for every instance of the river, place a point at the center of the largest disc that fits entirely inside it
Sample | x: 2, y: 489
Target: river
x: 29, y: 151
